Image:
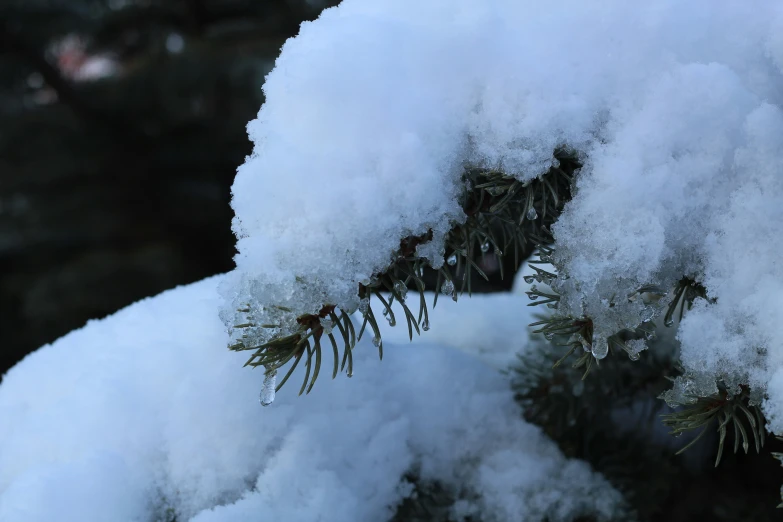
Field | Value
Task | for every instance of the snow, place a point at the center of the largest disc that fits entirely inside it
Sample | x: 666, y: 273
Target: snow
x: 675, y: 106
x: 146, y: 413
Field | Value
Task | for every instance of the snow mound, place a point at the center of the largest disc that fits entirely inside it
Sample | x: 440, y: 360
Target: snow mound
x: 145, y: 414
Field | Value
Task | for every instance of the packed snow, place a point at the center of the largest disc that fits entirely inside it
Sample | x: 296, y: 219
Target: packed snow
x: 145, y: 415
x: 675, y: 106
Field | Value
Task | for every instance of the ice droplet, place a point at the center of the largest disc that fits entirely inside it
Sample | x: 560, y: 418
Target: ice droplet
x: 485, y: 247
x: 425, y: 325
x: 647, y: 314
x: 531, y: 214
x: 364, y: 306
x: 401, y: 289
x: 452, y: 260
x: 327, y: 325
x: 268, y: 388
x: 376, y: 341
x: 392, y: 321
x: 634, y: 356
x: 495, y: 191
x: 529, y: 279
x: 447, y: 287
x: 668, y: 322
x: 549, y: 336
x: 600, y: 349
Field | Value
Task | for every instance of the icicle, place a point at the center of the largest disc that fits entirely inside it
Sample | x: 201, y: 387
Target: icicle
x: 401, y: 289
x: 364, y: 306
x: 268, y: 388
x: 600, y: 348
x: 327, y: 325
x: 447, y: 287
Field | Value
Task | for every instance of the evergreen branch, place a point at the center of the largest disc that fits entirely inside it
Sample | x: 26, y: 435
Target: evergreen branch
x: 685, y: 293
x: 502, y: 214
x: 726, y: 411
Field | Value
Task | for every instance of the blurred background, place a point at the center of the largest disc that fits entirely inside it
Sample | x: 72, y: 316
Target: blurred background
x: 122, y: 123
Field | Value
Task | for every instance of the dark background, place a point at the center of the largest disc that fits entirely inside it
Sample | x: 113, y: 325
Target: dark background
x: 122, y: 123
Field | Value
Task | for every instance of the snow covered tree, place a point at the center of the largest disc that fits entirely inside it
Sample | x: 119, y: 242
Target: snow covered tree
x: 403, y: 146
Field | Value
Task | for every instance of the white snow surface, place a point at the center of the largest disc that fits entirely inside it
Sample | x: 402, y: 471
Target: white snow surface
x: 145, y: 413
x: 675, y: 105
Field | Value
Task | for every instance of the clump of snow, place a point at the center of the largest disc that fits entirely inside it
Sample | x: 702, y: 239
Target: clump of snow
x: 146, y: 413
x: 373, y: 110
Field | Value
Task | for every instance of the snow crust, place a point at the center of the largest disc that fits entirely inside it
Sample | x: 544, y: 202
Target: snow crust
x: 145, y: 414
x: 374, y: 108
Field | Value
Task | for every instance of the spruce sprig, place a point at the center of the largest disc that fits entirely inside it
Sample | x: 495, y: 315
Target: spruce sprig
x: 724, y: 411
x: 502, y: 214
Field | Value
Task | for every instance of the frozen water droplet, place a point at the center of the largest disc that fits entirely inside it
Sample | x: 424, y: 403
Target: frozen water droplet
x: 531, y: 214
x: 647, y: 314
x: 392, y: 320
x: 327, y: 325
x: 349, y: 373
x: 495, y: 191
x: 364, y: 306
x: 532, y: 296
x: 600, y: 349
x: 268, y: 388
x: 376, y: 341
x: 385, y: 312
x: 553, y: 306
x: 549, y: 336
x: 668, y: 322
x: 649, y: 335
x: 447, y: 287
x: 529, y: 279
x: 498, y: 252
x: 485, y: 247
x: 634, y: 356
x: 452, y: 260
x: 425, y: 325
x: 555, y: 162
x: 401, y: 289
